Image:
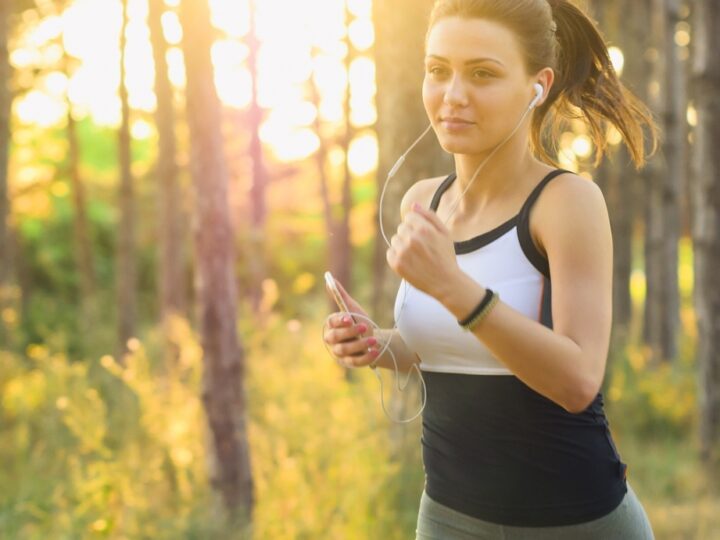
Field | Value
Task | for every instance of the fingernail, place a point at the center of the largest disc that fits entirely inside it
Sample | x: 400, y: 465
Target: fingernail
x: 372, y: 341
x: 374, y: 353
x: 361, y: 328
x: 346, y: 320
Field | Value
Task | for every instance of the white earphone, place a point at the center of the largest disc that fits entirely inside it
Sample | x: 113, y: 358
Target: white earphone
x: 539, y: 91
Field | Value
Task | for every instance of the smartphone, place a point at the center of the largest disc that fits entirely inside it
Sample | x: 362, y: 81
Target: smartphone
x: 330, y: 280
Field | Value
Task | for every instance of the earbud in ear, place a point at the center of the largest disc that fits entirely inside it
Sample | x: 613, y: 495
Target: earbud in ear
x: 539, y: 91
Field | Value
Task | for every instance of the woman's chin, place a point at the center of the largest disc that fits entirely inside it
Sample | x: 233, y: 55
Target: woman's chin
x: 454, y: 145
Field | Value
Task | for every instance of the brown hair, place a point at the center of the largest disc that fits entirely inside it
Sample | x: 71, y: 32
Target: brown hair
x: 557, y: 34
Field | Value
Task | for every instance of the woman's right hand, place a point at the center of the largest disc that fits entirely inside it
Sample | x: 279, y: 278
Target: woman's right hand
x: 352, y: 343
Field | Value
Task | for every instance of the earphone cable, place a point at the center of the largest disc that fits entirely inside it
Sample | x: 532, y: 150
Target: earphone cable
x: 386, y: 347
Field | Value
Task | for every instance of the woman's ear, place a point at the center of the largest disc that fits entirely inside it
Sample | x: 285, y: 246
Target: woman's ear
x: 545, y: 77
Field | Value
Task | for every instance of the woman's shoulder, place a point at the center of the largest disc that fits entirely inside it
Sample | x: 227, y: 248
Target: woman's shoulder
x: 552, y: 209
x: 421, y: 192
x: 567, y: 186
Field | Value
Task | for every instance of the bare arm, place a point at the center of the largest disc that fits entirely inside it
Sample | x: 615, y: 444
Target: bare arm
x: 565, y: 363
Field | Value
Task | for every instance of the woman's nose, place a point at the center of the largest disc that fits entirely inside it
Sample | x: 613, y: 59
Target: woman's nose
x: 455, y: 93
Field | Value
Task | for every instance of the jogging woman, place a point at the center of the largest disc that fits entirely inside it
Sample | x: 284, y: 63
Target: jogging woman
x: 508, y: 278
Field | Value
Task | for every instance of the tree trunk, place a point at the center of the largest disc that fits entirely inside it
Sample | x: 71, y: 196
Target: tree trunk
x: 332, y: 226
x: 259, y: 175
x: 675, y: 148
x: 5, y: 251
x: 337, y: 224
x: 320, y: 163
x: 663, y: 223
x: 400, y: 29
x: 224, y: 359
x: 637, y: 73
x: 618, y: 181
x: 81, y: 231
x: 626, y: 181
x: 126, y: 230
x: 342, y: 258
x: 171, y: 268
x: 706, y: 225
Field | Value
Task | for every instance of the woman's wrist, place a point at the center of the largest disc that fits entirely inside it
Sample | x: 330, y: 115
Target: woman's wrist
x: 404, y: 356
x: 382, y: 335
x: 462, y: 295
x: 481, y: 310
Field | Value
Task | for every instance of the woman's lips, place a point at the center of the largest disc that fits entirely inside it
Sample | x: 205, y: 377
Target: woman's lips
x: 455, y: 124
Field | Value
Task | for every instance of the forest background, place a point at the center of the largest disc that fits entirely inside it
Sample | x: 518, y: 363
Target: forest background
x: 176, y: 176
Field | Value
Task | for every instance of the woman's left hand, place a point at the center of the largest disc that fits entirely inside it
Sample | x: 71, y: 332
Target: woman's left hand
x: 422, y: 252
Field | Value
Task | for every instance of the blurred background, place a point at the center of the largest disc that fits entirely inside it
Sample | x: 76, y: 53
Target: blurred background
x: 176, y: 176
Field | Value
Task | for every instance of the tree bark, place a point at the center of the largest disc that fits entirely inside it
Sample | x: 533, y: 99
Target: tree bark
x: 171, y: 268
x: 675, y: 148
x: 337, y: 223
x: 626, y: 182
x: 324, y: 180
x: 5, y: 98
x: 126, y: 255
x: 617, y: 178
x: 663, y: 198
x: 259, y: 174
x: 342, y: 257
x: 223, y: 357
x: 400, y: 29
x: 706, y: 225
x: 81, y: 230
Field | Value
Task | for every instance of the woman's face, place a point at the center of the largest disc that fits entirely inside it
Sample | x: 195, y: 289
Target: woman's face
x: 474, y: 71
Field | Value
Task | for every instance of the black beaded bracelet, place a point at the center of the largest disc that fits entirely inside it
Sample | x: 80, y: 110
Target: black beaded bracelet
x: 480, y: 316
x: 484, y: 302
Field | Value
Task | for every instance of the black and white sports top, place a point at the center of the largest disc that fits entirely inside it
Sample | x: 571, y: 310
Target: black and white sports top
x: 494, y: 448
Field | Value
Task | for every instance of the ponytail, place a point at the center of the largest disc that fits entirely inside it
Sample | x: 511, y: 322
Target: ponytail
x: 587, y: 87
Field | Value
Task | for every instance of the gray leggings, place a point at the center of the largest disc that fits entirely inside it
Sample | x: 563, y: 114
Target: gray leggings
x: 438, y: 522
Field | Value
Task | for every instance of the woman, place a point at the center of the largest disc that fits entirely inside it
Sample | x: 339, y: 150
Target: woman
x: 515, y: 440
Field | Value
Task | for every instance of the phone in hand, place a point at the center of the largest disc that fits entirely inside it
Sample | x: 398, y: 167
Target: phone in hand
x: 336, y: 293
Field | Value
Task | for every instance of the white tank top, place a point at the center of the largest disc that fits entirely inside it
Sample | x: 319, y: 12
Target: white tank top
x: 504, y: 259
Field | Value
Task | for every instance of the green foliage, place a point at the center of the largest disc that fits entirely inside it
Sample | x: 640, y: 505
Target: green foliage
x: 91, y: 449
x: 322, y: 454
x: 653, y: 412
x: 46, y: 245
x: 655, y: 399
x: 96, y: 450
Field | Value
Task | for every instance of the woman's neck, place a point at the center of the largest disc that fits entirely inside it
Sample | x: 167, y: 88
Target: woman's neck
x: 500, y: 179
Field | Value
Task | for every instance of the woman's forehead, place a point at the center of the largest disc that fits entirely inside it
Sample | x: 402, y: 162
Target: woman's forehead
x: 460, y: 40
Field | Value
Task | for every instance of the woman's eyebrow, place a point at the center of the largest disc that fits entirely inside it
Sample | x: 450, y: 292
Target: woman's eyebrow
x: 467, y: 63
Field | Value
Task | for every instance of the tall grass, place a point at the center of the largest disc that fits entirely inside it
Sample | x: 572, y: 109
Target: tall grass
x: 99, y: 450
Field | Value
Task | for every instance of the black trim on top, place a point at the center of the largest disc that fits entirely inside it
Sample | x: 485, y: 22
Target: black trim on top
x: 441, y: 189
x: 546, y: 304
x: 476, y: 242
x: 536, y: 258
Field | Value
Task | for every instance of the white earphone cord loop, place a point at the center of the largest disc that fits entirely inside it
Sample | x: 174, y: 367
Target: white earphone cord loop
x: 392, y: 172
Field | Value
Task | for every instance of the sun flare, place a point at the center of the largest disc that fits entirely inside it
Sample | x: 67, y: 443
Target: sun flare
x: 305, y: 46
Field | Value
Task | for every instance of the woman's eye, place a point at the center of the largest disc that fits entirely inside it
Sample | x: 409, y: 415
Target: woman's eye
x: 439, y: 71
